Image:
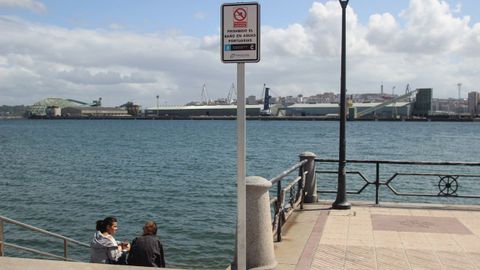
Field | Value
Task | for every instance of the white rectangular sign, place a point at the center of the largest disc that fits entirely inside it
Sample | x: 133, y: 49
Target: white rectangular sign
x: 240, y: 32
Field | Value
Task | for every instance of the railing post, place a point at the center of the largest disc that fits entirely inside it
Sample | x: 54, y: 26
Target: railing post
x: 279, y: 190
x: 377, y: 183
x: 311, y: 179
x: 65, y: 254
x: 1, y: 238
x: 260, y: 253
x: 279, y: 225
x: 301, y: 187
x: 279, y: 206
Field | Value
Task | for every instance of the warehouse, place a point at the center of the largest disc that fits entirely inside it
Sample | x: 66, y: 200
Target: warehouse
x: 399, y: 109
x: 204, y: 110
x: 94, y: 112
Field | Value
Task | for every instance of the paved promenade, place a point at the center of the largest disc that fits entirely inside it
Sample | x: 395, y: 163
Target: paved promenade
x: 387, y: 237
x: 10, y: 263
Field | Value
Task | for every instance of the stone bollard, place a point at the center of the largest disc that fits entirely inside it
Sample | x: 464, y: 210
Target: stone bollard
x: 311, y: 179
x: 260, y: 253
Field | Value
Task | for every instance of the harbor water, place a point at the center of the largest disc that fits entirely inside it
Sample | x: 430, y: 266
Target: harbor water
x: 63, y: 175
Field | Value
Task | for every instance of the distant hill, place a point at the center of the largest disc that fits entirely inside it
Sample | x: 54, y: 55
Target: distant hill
x: 8, y: 111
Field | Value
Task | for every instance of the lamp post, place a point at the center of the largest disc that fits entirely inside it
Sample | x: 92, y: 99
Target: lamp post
x: 158, y: 112
x: 341, y: 200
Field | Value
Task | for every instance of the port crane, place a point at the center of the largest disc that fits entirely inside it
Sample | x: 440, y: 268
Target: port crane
x: 266, y: 101
x: 205, y: 99
x: 232, y: 94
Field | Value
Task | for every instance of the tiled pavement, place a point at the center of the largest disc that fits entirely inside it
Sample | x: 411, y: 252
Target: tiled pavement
x: 386, y: 237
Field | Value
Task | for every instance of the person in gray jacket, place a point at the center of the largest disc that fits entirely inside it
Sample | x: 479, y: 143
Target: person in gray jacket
x: 147, y: 250
x: 104, y: 248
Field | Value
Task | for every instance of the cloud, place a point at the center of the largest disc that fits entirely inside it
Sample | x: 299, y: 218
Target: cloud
x: 139, y: 66
x: 432, y: 28
x: 380, y: 27
x: 293, y: 41
x: 427, y: 45
x: 84, y: 76
x: 471, y: 43
x: 32, y: 5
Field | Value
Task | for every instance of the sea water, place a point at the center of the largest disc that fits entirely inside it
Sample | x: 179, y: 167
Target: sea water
x: 63, y: 175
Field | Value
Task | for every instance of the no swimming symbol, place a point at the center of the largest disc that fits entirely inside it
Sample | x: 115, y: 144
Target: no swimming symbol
x: 240, y: 17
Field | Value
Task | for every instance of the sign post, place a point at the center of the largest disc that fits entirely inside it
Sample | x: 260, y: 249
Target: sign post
x: 240, y: 44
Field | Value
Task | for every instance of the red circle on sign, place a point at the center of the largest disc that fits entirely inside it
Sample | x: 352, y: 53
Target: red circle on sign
x: 240, y: 14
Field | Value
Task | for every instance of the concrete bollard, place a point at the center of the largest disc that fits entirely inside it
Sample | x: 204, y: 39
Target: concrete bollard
x: 311, y: 179
x: 260, y: 250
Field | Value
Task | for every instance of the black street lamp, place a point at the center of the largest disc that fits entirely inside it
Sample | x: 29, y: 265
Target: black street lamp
x: 158, y: 110
x: 341, y: 200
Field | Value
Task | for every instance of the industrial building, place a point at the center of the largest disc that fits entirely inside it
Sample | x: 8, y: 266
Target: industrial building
x: 204, y: 110
x: 94, y: 112
x: 423, y: 102
x: 70, y: 108
x: 474, y: 103
x: 398, y: 109
x: 393, y: 107
x: 51, y: 107
x: 394, y: 110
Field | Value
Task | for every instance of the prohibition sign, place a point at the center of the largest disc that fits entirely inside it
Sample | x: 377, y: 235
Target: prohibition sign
x: 240, y: 14
x: 240, y: 32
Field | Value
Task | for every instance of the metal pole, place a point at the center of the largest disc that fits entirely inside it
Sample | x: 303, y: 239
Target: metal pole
x: 341, y: 200
x: 1, y: 238
x: 158, y: 111
x: 279, y: 206
x: 301, y: 185
x: 241, y: 170
x: 377, y: 183
x: 65, y: 252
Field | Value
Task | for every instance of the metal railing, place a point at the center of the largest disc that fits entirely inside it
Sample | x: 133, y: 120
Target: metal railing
x: 66, y: 240
x: 288, y: 198
x: 448, y: 183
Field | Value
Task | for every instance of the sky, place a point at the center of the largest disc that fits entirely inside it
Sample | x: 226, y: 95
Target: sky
x: 123, y: 50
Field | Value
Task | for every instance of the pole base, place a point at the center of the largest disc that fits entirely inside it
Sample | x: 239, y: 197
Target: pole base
x: 341, y: 205
x: 311, y: 199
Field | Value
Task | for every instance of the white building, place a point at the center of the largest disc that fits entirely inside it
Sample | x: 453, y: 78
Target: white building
x: 251, y: 100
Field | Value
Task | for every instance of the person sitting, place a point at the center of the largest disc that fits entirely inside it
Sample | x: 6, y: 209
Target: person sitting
x: 103, y: 247
x: 147, y: 250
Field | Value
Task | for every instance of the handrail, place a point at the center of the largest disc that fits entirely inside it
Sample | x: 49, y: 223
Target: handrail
x: 287, y: 172
x: 296, y: 188
x: 65, y: 239
x: 403, y: 162
x: 448, y: 183
x: 33, y: 228
x: 36, y: 251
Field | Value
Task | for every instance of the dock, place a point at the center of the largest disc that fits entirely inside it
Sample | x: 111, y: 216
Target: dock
x: 387, y: 236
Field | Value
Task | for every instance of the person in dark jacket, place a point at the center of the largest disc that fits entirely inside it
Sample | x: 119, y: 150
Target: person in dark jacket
x: 147, y: 250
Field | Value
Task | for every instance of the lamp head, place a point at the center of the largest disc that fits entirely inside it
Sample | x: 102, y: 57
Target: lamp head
x: 343, y: 3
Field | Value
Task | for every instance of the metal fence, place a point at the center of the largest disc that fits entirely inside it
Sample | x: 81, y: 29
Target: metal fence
x: 66, y: 240
x: 287, y: 198
x: 446, y: 184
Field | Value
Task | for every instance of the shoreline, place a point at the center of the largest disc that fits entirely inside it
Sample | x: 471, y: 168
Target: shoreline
x: 252, y: 118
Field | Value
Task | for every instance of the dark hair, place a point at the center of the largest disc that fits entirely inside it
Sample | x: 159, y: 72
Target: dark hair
x: 150, y: 228
x: 102, y: 224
